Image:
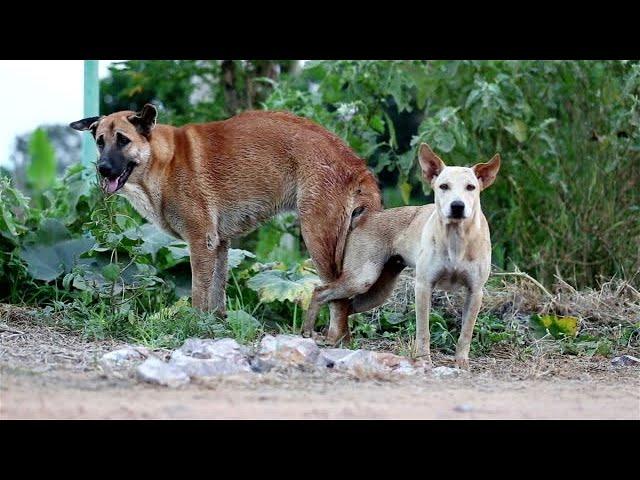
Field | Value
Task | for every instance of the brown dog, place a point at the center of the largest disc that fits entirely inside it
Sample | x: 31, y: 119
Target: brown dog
x: 208, y: 183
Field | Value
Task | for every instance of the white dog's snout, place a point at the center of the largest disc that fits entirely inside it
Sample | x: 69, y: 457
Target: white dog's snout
x: 457, y: 209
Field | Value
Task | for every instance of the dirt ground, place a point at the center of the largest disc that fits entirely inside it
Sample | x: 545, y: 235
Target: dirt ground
x: 50, y: 374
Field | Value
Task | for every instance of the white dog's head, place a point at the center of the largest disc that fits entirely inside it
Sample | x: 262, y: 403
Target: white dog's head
x: 457, y: 189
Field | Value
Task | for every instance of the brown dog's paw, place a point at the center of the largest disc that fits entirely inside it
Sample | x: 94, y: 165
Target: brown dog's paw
x: 339, y: 340
x: 462, y: 363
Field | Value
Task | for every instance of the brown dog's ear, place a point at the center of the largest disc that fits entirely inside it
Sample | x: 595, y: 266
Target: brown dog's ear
x: 430, y: 163
x: 90, y: 123
x: 145, y: 120
x: 487, y: 172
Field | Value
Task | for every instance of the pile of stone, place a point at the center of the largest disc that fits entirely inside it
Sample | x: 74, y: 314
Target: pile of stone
x: 207, y: 358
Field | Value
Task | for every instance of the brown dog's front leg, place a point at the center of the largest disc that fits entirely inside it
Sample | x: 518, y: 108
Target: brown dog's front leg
x: 469, y: 316
x: 204, y: 249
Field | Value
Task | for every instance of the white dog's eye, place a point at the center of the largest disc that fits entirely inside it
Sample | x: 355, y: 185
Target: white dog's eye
x: 444, y: 186
x: 471, y: 187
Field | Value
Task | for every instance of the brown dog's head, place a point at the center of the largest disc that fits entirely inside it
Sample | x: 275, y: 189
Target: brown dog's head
x: 123, y: 142
x: 457, y: 189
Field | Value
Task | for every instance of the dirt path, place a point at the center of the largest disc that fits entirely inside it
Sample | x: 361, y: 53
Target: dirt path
x: 49, y: 374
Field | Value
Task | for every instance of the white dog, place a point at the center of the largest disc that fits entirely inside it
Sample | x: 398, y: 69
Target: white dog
x: 448, y: 244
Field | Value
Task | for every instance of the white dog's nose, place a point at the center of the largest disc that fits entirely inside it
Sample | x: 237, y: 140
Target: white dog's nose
x: 457, y: 209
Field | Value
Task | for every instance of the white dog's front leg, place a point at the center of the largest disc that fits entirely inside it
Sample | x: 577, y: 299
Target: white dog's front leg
x: 423, y: 307
x: 469, y: 316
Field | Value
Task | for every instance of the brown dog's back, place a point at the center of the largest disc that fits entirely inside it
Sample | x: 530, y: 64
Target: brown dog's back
x: 258, y: 163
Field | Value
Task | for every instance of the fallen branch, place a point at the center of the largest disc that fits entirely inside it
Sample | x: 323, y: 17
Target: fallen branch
x: 518, y: 273
x: 6, y: 328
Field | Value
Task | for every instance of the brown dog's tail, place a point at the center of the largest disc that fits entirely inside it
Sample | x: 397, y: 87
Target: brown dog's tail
x: 364, y: 200
x: 327, y: 211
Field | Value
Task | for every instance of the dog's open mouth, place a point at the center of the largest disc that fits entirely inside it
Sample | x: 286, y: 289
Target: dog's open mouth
x: 112, y: 185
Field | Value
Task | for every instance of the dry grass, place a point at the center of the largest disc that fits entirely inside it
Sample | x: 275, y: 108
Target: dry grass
x: 513, y: 295
x: 28, y: 342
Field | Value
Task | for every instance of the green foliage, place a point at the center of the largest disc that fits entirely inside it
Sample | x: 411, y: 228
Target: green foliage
x: 567, y: 131
x: 566, y: 200
x: 243, y: 325
x: 41, y: 171
x: 294, y: 285
x: 558, y: 327
x: 51, y: 250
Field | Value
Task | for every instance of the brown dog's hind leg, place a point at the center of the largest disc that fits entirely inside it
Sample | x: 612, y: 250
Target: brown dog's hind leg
x: 339, y: 331
x: 217, y: 292
x: 208, y: 256
x: 338, y: 292
x: 203, y: 263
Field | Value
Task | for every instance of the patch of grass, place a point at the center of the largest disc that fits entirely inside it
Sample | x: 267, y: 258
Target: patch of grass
x: 494, y: 333
x: 166, y: 328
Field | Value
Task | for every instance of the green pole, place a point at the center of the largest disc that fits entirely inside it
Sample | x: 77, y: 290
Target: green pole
x: 91, y: 108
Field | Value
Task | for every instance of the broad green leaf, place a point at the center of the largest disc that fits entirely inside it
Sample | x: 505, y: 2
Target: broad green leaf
x: 111, y: 272
x: 153, y: 238
x: 49, y: 262
x: 51, y: 250
x: 278, y: 285
x: 236, y: 256
x: 395, y: 318
x: 557, y: 326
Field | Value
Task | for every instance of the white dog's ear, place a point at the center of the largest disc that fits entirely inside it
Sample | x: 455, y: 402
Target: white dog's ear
x: 430, y: 163
x: 487, y: 172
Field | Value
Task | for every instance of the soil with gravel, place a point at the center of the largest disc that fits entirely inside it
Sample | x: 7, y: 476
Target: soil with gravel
x: 47, y: 373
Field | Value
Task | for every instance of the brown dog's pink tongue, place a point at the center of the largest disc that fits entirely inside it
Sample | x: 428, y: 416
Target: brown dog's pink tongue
x: 112, y: 185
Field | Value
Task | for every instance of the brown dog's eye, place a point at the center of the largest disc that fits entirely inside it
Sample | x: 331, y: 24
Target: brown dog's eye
x: 471, y: 187
x: 444, y: 186
x: 122, y: 140
x: 100, y: 142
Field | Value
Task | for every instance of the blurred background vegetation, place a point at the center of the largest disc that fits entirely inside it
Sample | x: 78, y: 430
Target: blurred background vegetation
x: 566, y: 202
x: 568, y: 199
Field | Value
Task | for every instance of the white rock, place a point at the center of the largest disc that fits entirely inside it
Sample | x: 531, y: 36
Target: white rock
x: 329, y: 356
x: 362, y: 361
x: 154, y: 370
x: 446, y: 372
x: 288, y: 351
x: 209, y: 358
x: 123, y: 358
x: 626, y: 361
